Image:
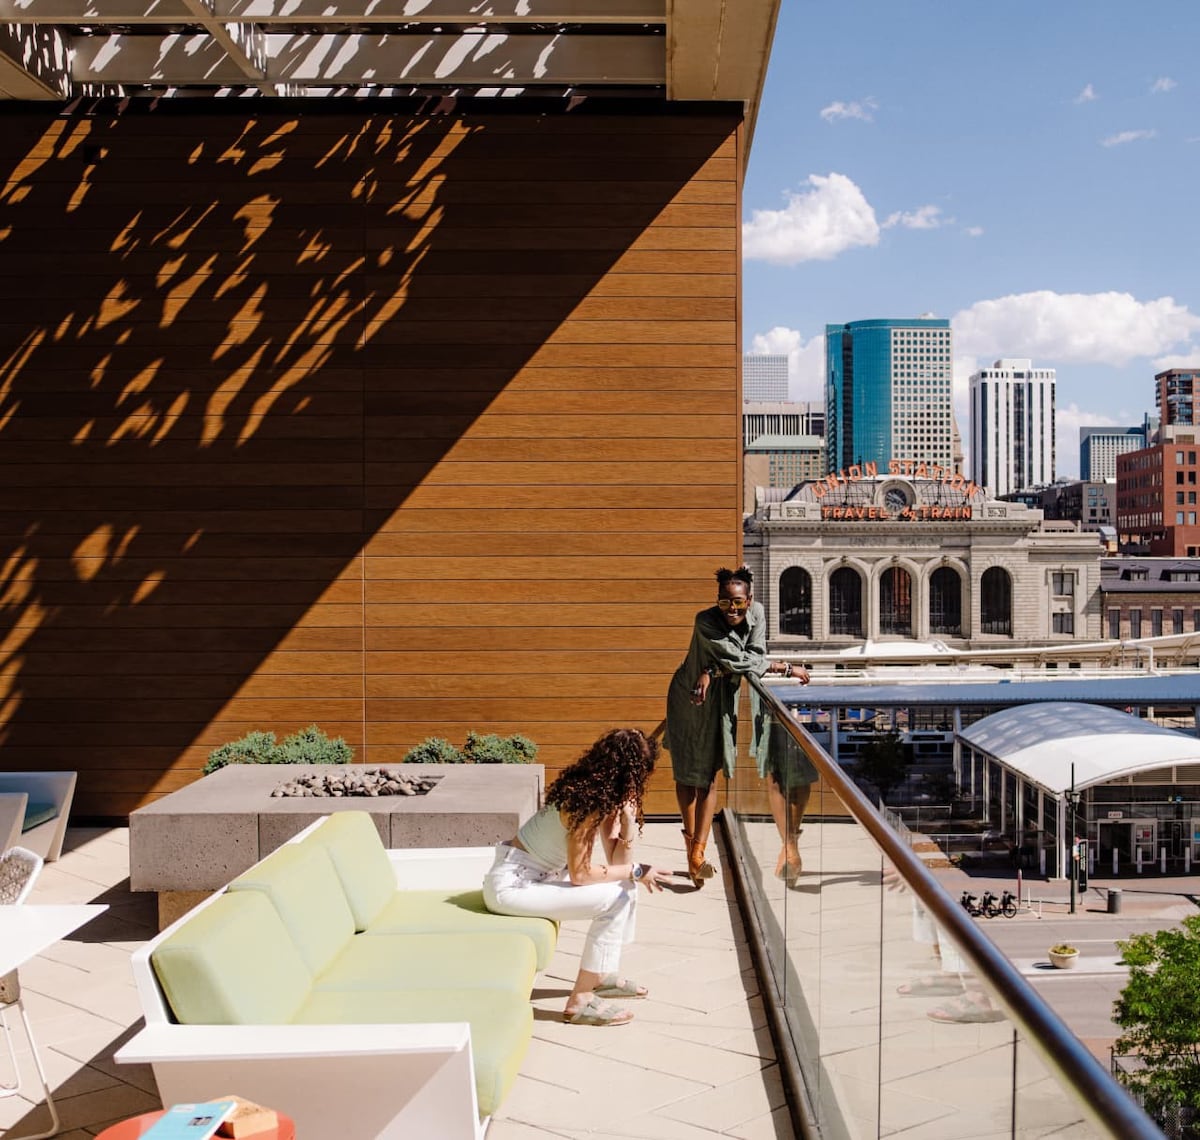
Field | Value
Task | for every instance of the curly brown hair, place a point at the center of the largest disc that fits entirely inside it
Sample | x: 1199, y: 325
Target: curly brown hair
x: 613, y: 771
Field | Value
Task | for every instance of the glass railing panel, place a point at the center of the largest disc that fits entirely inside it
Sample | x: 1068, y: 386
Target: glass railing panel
x: 901, y: 1017
x: 1041, y: 1110
x: 947, y: 1045
x: 845, y: 892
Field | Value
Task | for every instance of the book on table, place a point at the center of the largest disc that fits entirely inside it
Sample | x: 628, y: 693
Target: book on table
x: 190, y: 1121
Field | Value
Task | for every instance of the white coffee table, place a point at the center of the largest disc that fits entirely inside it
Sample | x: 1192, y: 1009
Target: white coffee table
x: 25, y: 931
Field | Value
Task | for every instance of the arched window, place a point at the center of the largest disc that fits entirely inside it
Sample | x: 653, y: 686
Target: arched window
x: 895, y: 602
x: 845, y: 602
x: 795, y: 602
x: 995, y: 601
x: 945, y: 602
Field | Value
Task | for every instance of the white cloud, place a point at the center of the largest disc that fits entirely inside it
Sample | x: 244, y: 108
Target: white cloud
x: 806, y: 360
x: 1177, y: 360
x: 922, y: 218
x: 1162, y: 85
x: 1087, y: 95
x: 816, y: 225
x: 1123, y: 137
x: 1102, y: 328
x: 863, y: 110
x: 974, y: 231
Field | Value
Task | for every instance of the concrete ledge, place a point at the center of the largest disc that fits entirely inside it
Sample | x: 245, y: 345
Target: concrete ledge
x: 200, y: 837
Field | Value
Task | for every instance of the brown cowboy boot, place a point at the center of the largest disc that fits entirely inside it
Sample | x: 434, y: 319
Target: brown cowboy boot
x: 699, y: 868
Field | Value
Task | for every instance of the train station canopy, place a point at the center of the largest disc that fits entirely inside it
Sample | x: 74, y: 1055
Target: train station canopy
x: 1041, y: 743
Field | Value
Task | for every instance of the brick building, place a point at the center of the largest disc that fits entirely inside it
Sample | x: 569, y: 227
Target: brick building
x: 1157, y: 492
x: 1149, y: 597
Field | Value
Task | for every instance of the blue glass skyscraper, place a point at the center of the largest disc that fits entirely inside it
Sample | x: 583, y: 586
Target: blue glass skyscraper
x: 888, y: 392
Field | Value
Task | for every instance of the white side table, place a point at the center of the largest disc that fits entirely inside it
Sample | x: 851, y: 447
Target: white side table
x: 25, y: 931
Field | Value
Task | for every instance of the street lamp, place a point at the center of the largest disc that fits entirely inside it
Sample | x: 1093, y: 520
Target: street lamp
x: 1073, y: 865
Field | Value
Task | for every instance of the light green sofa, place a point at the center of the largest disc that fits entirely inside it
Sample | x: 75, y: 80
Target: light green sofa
x: 412, y: 1004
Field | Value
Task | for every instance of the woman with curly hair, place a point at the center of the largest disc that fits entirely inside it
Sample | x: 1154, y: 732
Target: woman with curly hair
x: 729, y: 641
x: 597, y: 797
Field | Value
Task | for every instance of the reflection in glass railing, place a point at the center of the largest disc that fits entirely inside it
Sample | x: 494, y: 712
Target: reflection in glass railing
x: 902, y: 1018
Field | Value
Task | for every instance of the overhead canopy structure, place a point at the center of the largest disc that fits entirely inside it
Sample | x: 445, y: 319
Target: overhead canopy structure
x: 679, y: 49
x: 946, y: 688
x: 1041, y: 743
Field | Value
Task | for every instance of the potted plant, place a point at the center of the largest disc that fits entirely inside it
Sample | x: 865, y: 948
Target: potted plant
x: 1063, y: 956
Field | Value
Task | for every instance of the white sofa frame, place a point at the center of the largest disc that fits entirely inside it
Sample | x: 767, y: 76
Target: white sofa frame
x: 12, y: 816
x: 57, y: 788
x: 357, y: 1082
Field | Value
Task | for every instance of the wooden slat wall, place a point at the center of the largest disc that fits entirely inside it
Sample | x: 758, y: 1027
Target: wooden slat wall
x: 399, y: 424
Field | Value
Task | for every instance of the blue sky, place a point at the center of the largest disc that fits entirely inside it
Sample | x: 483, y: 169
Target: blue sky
x: 1030, y: 170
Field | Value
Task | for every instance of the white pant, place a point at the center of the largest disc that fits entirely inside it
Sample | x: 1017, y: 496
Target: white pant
x: 518, y: 884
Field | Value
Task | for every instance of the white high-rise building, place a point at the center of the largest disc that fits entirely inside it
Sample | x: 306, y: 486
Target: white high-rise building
x: 764, y: 377
x: 1012, y: 426
x: 1100, y: 446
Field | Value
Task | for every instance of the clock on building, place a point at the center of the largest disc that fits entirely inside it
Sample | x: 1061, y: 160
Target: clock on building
x: 895, y: 499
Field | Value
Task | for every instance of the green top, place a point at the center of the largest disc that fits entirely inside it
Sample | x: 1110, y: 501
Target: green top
x: 703, y: 738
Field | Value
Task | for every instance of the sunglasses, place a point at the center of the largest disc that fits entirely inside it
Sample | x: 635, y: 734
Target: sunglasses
x: 738, y: 605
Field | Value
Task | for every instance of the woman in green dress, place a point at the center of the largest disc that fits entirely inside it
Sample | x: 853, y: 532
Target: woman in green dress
x: 729, y: 641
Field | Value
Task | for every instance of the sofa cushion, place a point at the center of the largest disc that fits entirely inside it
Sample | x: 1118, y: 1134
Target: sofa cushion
x: 438, y: 961
x: 232, y: 963
x: 449, y: 911
x: 361, y: 861
x: 38, y: 813
x: 302, y: 885
x: 501, y: 1025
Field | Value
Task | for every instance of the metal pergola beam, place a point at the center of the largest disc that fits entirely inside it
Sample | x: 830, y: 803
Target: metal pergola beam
x: 399, y: 13
x: 411, y: 60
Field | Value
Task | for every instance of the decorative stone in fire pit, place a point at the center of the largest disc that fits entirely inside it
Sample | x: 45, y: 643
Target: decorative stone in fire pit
x: 351, y: 782
x: 200, y: 837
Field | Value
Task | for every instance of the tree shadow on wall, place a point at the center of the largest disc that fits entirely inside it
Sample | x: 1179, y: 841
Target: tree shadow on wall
x: 232, y: 344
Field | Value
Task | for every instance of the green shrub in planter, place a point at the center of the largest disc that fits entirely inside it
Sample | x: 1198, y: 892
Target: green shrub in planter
x: 311, y: 746
x: 308, y: 746
x: 488, y: 748
x: 434, y: 750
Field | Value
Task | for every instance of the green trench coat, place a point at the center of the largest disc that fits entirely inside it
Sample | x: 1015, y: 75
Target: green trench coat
x: 703, y: 738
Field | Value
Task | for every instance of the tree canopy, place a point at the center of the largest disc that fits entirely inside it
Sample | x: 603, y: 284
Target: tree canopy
x: 1159, y: 1015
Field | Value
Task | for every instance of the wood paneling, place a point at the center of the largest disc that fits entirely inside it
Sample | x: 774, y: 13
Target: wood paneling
x: 401, y: 425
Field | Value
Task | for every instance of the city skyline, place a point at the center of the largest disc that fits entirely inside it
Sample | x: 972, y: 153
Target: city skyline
x: 1035, y: 193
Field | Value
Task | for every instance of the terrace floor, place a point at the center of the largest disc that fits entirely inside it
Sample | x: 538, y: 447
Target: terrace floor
x: 695, y: 1064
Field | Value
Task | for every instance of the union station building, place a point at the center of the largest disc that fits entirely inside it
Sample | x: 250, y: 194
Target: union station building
x: 913, y: 551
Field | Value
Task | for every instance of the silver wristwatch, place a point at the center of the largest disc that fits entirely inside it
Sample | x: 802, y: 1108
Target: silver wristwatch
x: 639, y: 869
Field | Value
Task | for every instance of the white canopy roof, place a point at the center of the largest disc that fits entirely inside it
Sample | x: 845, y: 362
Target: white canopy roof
x: 1040, y: 742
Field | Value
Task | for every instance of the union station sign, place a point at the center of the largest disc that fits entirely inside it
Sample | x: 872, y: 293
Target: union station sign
x: 911, y: 490
x: 906, y: 513
x: 910, y: 468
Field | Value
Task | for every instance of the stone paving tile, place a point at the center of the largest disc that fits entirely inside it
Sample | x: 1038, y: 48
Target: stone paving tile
x: 728, y: 1105
x: 774, y: 1125
x: 651, y: 1128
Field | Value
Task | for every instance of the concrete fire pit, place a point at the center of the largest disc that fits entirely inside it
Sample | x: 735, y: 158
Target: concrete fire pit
x: 195, y: 840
